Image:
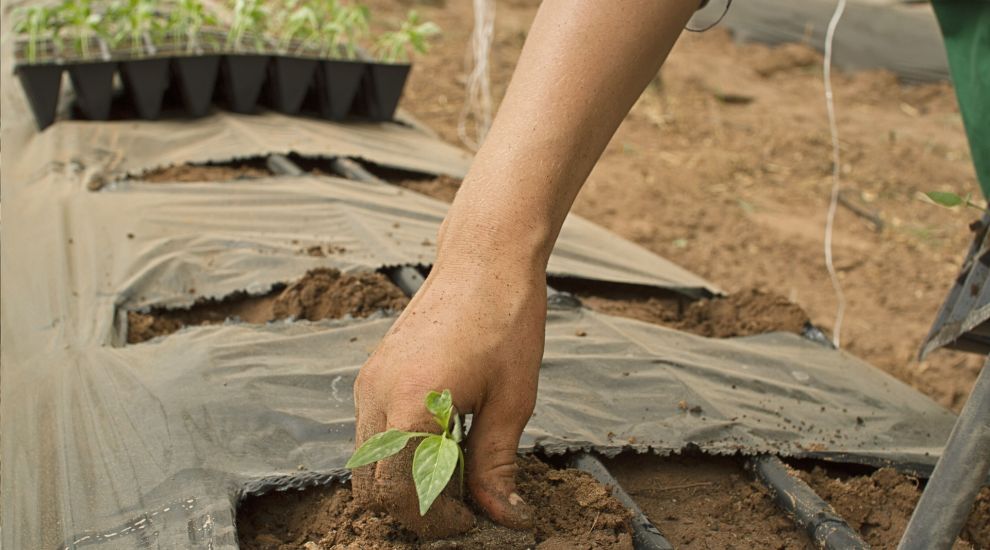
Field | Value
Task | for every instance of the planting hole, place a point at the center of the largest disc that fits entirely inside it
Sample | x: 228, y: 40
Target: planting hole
x: 323, y: 293
x: 241, y: 169
x: 743, y: 313
x: 701, y: 501
x: 572, y: 511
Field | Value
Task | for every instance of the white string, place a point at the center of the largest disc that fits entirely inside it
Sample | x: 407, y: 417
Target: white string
x: 478, y: 101
x: 834, y: 201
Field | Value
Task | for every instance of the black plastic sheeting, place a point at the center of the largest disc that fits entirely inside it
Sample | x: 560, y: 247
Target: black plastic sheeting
x: 153, y: 445
x: 963, y: 322
x: 901, y: 37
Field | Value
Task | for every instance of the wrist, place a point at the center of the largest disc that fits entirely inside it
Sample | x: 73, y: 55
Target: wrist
x: 507, y: 236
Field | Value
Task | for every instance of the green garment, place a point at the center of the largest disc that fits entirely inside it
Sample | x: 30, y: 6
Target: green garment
x: 966, y: 30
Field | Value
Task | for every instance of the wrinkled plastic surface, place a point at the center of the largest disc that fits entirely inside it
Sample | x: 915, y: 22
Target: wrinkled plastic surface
x: 153, y: 445
x: 902, y: 37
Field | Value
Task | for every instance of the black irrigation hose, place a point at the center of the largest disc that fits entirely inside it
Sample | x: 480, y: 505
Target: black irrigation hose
x: 281, y: 165
x: 645, y: 535
x: 825, y: 527
x: 809, y: 510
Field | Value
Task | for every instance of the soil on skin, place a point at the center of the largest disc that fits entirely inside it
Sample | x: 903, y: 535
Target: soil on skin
x: 737, y: 191
x: 322, y: 293
x: 573, y: 511
x: 190, y: 173
x: 879, y: 506
x: 706, y: 502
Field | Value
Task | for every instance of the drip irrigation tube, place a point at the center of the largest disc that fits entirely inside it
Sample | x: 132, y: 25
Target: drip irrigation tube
x: 281, y: 165
x: 407, y: 278
x: 826, y: 528
x: 645, y: 535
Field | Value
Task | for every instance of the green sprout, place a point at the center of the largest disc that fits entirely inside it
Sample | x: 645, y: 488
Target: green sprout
x: 83, y: 23
x: 353, y: 22
x: 397, y: 46
x: 949, y: 199
x: 187, y: 20
x: 140, y: 22
x: 300, y: 26
x: 250, y: 17
x: 435, y: 458
x: 38, y: 23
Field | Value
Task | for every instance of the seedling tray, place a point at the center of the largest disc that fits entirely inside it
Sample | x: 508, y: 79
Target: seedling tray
x: 341, y: 89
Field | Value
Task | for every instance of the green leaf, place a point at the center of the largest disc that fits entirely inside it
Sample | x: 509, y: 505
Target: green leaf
x: 381, y: 446
x: 433, y: 464
x: 945, y: 198
x: 440, y: 406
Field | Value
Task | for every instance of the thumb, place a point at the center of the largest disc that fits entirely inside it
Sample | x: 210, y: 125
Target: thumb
x: 491, y: 460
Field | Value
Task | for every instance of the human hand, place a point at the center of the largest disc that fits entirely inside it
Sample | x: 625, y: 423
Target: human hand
x: 478, y: 331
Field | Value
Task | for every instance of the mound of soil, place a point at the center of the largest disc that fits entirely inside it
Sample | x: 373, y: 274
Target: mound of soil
x: 229, y: 171
x: 442, y: 188
x: 744, y: 313
x: 573, y: 511
x: 706, y: 502
x: 879, y: 506
x: 322, y: 293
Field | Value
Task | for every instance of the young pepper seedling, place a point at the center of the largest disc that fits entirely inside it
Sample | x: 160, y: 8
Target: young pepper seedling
x: 436, y: 456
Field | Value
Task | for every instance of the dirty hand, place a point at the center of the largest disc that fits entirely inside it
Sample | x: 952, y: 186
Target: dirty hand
x: 475, y: 327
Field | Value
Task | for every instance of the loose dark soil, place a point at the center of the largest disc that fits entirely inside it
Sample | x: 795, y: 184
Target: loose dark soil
x: 749, y: 311
x: 321, y: 294
x: 746, y: 312
x: 879, y: 506
x: 573, y: 511
x: 190, y: 173
x: 706, y: 502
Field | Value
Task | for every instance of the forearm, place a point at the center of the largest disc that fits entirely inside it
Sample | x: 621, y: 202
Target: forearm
x: 581, y: 69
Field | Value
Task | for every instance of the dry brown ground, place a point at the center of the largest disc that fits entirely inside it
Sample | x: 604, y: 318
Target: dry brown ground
x: 737, y: 190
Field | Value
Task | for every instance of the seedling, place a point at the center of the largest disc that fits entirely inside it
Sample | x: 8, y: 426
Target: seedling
x: 300, y: 26
x: 352, y: 22
x: 949, y: 199
x: 84, y: 24
x: 186, y: 21
x: 38, y: 23
x: 398, y: 46
x: 249, y: 19
x: 141, y: 24
x: 435, y: 457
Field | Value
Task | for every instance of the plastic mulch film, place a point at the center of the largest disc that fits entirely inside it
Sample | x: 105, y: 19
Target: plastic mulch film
x: 153, y: 445
x: 902, y: 37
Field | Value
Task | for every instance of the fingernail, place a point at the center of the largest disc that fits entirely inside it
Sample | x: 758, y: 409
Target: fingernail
x: 515, y: 499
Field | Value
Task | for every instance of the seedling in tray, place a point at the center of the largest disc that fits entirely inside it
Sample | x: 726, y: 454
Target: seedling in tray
x: 412, y: 37
x: 436, y: 456
x: 186, y: 21
x: 85, y: 24
x: 338, y: 80
x: 244, y: 72
x: 249, y: 21
x: 39, y: 23
x: 345, y: 27
x: 387, y: 79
